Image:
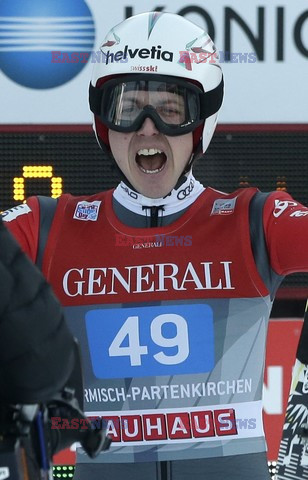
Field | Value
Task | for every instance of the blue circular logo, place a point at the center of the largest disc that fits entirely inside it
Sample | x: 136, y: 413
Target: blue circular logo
x: 44, y: 43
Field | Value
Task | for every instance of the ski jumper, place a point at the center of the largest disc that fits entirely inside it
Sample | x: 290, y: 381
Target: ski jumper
x: 172, y: 325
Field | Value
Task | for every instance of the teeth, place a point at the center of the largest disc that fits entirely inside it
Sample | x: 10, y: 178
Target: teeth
x: 157, y: 170
x: 148, y: 151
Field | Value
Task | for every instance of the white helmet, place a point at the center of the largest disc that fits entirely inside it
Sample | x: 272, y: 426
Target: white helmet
x: 161, y: 44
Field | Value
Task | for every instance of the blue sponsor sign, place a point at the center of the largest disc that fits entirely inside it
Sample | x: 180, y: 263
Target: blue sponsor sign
x: 151, y: 341
x: 31, y: 30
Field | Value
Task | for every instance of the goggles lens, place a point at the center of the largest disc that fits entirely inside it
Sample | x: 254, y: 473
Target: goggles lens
x: 174, y: 107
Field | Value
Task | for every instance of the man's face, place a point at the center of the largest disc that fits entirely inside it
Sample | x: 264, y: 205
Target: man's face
x: 150, y: 160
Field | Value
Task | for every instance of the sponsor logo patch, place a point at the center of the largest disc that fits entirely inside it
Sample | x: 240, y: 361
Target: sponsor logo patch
x: 281, y: 206
x: 155, y: 52
x: 87, y: 211
x: 15, y: 212
x: 185, y: 192
x: 300, y: 213
x: 223, y: 206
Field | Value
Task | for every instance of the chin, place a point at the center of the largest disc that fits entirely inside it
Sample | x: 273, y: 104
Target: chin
x: 154, y: 188
x: 155, y: 193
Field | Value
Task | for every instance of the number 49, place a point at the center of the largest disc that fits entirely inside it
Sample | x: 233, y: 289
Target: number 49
x: 134, y: 350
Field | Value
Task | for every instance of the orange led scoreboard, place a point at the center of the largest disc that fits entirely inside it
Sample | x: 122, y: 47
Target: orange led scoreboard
x: 38, y: 172
x: 50, y: 161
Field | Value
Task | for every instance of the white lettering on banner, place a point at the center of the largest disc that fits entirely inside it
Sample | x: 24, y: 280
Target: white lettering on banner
x: 254, y: 27
x: 133, y: 433
x: 273, y: 391
x: 174, y: 391
x: 281, y: 206
x: 206, y: 424
x: 157, y: 426
x: 111, y: 430
x: 173, y: 425
x: 147, y: 278
x: 178, y: 426
x: 225, y: 422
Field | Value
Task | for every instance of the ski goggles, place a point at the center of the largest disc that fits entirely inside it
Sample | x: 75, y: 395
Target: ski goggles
x: 175, y: 106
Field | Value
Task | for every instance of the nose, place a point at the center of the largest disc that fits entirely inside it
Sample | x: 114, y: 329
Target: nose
x: 148, y: 128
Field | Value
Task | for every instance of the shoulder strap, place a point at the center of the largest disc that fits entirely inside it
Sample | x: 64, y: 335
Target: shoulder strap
x: 271, y: 279
x: 48, y: 207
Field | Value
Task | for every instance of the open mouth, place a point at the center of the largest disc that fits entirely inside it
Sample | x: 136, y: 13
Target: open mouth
x: 151, y: 160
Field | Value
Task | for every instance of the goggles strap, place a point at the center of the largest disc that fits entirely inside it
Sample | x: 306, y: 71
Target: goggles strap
x: 210, y: 102
x: 95, y: 99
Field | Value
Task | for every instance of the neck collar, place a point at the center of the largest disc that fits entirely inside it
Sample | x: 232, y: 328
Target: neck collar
x: 178, y: 199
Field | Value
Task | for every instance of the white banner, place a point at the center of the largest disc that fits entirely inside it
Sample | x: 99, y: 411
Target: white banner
x: 181, y: 425
x: 265, y: 78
